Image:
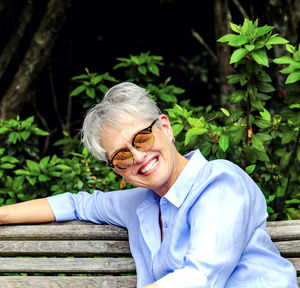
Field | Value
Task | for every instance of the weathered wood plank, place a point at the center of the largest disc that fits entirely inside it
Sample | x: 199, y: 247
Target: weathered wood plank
x: 68, y: 282
x: 64, y: 248
x: 284, y: 230
x: 67, y: 265
x: 80, y: 230
x: 289, y: 248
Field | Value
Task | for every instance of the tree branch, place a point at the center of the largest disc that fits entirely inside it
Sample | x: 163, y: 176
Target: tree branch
x: 240, y: 8
x: 204, y: 44
x: 35, y: 59
x: 13, y: 43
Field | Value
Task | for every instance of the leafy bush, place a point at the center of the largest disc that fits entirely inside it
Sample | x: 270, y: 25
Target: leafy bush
x: 259, y: 131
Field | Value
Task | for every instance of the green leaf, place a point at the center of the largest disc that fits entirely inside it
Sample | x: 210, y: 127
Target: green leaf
x: 25, y: 135
x: 177, y: 128
x: 263, y: 77
x: 284, y: 60
x: 226, y: 38
x: 265, y: 87
x: 13, y: 137
x: 260, y: 57
x: 63, y: 167
x: 293, y: 77
x: 298, y: 154
x: 33, y: 166
x: 287, y: 137
x: 224, y: 142
x: 277, y: 40
x: 40, y: 132
x: 250, y: 169
x: 21, y: 172
x: 238, y: 54
x: 193, y: 132
x: 290, y: 48
x: 293, y: 106
x: 285, y: 159
x: 235, y: 28
x: 239, y: 41
x: 263, y: 30
x: 142, y: 69
x: 249, y: 47
x: 80, y: 77
x: 44, y: 162
x: 78, y: 90
x: 237, y: 96
x: 153, y: 68
x: 225, y: 112
x: 296, y: 56
x: 31, y: 180
x: 265, y: 115
x: 90, y: 91
x: 43, y: 178
x: 7, y: 166
x: 3, y: 129
x: 96, y: 79
x: 9, y: 159
x: 257, y: 143
x: 264, y: 137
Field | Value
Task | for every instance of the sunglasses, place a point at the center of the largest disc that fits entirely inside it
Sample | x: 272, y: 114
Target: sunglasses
x: 142, y: 141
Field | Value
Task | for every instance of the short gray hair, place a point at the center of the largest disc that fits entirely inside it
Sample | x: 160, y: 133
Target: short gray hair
x: 122, y: 99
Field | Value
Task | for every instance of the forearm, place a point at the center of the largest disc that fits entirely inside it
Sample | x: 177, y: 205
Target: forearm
x: 151, y: 286
x: 34, y: 211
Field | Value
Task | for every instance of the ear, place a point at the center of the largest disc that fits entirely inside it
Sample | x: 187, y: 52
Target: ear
x: 166, y: 126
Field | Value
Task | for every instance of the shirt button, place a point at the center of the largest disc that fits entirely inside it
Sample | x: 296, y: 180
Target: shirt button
x: 165, y: 225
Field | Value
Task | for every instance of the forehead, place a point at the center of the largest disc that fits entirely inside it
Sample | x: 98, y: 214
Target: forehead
x: 116, y: 137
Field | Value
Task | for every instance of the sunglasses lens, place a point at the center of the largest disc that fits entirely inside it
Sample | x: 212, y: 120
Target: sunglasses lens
x: 144, y: 140
x: 123, y: 160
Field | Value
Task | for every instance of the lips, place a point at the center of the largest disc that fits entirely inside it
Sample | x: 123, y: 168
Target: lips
x: 147, y: 167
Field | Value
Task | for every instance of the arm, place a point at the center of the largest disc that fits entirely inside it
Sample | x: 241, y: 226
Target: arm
x: 34, y: 211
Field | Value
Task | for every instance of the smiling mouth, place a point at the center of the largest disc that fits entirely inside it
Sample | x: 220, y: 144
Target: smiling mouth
x: 149, y: 166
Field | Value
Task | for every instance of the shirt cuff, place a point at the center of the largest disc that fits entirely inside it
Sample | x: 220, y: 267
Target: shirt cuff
x: 62, y: 206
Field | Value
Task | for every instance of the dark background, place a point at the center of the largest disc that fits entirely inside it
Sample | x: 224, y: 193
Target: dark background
x: 96, y: 32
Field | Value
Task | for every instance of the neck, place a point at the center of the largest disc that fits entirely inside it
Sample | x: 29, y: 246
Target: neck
x: 179, y: 164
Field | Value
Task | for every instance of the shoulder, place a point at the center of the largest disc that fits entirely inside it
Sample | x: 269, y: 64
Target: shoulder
x: 223, y: 179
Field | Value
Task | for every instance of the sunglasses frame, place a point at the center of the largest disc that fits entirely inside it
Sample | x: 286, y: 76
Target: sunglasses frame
x: 110, y: 162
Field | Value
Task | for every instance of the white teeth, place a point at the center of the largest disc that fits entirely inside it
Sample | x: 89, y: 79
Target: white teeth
x: 149, y: 166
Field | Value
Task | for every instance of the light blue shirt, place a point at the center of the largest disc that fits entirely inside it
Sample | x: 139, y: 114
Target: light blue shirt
x: 214, y: 226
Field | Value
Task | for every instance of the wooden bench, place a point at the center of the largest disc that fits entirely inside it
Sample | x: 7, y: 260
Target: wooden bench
x: 80, y: 254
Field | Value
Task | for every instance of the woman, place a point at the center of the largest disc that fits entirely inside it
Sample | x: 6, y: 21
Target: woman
x: 191, y: 223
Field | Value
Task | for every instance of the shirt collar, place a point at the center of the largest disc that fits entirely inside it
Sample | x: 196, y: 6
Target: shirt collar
x: 184, y: 182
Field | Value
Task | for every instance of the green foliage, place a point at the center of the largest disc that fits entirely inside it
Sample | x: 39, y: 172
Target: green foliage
x: 140, y: 67
x: 252, y: 133
x: 256, y: 131
x: 91, y: 87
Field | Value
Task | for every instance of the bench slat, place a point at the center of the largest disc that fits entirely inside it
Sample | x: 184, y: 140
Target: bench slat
x: 67, y: 282
x: 67, y: 265
x: 77, y: 230
x: 289, y: 248
x: 64, y: 248
x: 284, y: 230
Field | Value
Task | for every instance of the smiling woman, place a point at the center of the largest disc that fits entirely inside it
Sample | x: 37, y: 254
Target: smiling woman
x: 191, y: 223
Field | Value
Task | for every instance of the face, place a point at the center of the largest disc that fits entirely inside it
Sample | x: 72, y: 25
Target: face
x: 156, y: 168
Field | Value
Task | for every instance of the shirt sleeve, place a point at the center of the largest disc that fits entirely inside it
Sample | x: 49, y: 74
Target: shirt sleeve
x: 97, y: 207
x: 221, y: 223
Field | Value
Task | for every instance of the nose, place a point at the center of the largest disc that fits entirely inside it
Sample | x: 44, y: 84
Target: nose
x: 138, y: 156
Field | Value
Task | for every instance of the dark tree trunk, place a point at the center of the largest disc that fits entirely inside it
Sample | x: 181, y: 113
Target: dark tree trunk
x: 222, y: 27
x: 13, y: 43
x: 35, y: 59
